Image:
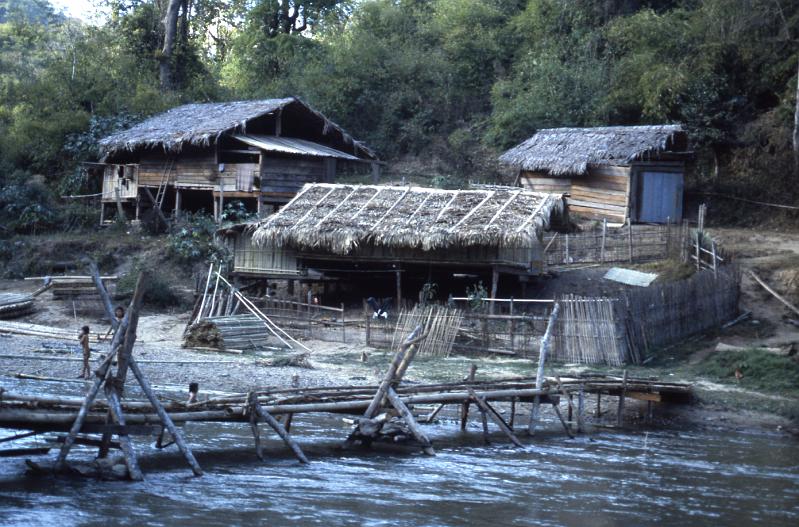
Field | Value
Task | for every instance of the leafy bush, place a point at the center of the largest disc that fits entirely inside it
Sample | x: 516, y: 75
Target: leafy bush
x: 236, y: 212
x: 26, y: 206
x: 192, y: 240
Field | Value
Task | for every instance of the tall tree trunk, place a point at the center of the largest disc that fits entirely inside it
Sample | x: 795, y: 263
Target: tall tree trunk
x: 170, y: 31
x: 796, y: 129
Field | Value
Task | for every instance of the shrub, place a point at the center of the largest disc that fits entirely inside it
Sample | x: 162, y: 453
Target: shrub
x: 192, y: 240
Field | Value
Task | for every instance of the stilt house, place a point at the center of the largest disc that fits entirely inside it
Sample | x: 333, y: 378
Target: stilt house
x: 388, y: 239
x: 198, y: 156
x: 618, y: 173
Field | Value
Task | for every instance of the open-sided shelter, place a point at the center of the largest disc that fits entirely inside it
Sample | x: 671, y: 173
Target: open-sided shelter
x: 618, y: 173
x: 371, y: 234
x: 197, y: 156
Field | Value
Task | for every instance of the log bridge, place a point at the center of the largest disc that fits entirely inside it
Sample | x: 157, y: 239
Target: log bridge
x: 390, y: 412
x: 384, y: 413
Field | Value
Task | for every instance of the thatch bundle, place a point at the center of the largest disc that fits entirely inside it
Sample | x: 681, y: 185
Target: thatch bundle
x: 200, y: 124
x: 569, y: 151
x: 338, y: 218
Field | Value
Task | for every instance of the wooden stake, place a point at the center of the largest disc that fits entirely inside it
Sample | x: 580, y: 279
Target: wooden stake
x: 560, y: 416
x: 486, y: 408
x: 281, y: 431
x: 620, y: 415
x: 465, y: 405
x: 580, y: 409
x: 164, y: 417
x: 542, y: 357
x: 124, y: 440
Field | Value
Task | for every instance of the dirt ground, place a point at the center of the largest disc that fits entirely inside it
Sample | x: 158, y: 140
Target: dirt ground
x: 774, y: 256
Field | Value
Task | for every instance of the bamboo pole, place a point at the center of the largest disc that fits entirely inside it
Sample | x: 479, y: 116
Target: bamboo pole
x: 124, y: 440
x: 542, y: 357
x: 774, y: 293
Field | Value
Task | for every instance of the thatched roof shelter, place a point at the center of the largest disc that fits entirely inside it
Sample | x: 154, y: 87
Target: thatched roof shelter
x: 338, y: 218
x: 569, y: 151
x: 201, y: 124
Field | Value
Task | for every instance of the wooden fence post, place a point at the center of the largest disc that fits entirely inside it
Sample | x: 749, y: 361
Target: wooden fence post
x: 343, y: 325
x: 604, y: 234
x: 368, y: 323
x: 630, y: 240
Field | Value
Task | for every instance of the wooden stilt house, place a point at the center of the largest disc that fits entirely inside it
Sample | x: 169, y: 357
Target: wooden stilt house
x: 618, y: 173
x: 393, y: 238
x: 200, y: 156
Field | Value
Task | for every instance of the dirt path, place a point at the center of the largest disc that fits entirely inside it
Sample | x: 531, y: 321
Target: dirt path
x: 774, y: 256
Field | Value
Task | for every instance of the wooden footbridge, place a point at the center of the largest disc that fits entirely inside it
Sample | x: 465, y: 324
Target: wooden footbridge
x: 387, y: 412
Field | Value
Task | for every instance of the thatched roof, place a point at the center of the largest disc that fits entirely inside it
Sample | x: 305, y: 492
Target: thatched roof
x: 569, y: 151
x: 338, y: 218
x: 200, y: 124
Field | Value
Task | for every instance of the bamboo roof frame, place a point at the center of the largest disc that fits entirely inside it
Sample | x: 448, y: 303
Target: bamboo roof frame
x: 406, y: 218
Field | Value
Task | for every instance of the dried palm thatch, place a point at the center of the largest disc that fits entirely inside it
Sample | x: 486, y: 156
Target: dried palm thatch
x: 200, y: 124
x: 569, y: 151
x: 339, y: 218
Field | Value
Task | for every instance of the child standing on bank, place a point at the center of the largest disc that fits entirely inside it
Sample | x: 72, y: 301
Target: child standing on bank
x: 86, y: 373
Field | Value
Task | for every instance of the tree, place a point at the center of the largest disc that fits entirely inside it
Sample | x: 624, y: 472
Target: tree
x: 170, y: 35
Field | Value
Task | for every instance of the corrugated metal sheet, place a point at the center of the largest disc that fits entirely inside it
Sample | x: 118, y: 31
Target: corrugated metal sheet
x: 292, y: 145
x: 630, y: 277
x: 661, y: 196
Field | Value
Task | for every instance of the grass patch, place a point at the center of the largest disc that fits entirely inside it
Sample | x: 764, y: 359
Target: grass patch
x: 667, y: 270
x: 761, y: 370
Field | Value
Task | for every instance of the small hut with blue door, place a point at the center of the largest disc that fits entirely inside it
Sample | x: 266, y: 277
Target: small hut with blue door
x: 617, y: 173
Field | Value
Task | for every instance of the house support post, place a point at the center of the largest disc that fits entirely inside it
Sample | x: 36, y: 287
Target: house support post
x: 494, y: 285
x: 177, y: 203
x: 398, y: 273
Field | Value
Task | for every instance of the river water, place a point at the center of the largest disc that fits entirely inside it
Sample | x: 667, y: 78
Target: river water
x: 691, y: 477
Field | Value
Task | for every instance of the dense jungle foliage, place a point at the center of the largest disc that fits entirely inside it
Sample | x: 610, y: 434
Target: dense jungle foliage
x: 445, y: 83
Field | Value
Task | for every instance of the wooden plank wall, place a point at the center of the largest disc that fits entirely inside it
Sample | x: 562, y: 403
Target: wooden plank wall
x: 280, y: 174
x: 190, y: 171
x: 541, y: 182
x: 128, y: 189
x: 601, y: 194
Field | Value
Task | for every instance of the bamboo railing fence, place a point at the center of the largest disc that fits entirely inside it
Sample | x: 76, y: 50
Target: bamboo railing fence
x: 639, y: 243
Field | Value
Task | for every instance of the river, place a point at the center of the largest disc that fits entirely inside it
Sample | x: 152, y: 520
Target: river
x: 701, y: 476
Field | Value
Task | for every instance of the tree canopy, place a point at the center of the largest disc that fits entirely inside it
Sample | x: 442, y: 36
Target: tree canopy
x: 447, y: 82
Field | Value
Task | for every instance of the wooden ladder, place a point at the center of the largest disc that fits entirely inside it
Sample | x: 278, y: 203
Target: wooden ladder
x: 165, y: 177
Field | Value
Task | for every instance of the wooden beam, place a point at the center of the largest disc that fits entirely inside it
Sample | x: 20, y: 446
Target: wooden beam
x: 406, y: 414
x: 494, y: 415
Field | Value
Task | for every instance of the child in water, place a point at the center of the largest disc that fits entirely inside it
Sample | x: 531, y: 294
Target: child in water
x: 86, y: 373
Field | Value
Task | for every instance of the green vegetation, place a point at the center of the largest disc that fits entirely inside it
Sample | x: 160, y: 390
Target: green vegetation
x: 192, y: 240
x: 761, y: 370
x: 442, y: 85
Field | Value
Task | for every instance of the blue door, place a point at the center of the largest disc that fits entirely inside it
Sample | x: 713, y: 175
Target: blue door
x: 661, y: 197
